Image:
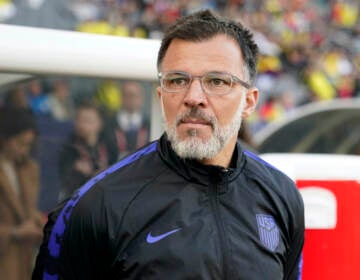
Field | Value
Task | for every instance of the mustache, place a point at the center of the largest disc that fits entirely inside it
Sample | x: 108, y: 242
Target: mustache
x: 196, y: 113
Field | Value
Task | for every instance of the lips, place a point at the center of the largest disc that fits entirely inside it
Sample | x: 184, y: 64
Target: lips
x: 195, y: 121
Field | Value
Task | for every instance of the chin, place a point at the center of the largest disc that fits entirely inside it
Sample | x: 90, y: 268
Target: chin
x: 194, y: 147
x: 194, y: 135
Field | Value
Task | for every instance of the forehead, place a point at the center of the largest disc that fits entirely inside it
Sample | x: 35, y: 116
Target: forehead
x: 87, y: 113
x: 220, y: 53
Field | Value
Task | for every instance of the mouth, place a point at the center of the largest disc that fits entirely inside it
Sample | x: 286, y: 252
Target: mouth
x: 192, y: 125
x: 194, y: 121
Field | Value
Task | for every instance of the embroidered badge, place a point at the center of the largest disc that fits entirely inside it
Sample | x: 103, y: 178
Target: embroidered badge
x: 268, y: 231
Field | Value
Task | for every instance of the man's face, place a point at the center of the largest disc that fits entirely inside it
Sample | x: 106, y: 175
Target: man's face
x: 199, y: 125
x: 133, y: 97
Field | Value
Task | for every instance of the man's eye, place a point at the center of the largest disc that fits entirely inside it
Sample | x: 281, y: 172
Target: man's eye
x: 218, y: 82
x: 179, y: 81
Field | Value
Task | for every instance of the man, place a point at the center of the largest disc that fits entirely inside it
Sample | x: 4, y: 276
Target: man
x: 60, y: 104
x: 192, y: 205
x: 20, y: 220
x: 128, y: 130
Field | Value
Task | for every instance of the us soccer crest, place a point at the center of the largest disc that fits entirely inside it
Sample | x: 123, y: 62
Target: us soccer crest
x: 268, y: 231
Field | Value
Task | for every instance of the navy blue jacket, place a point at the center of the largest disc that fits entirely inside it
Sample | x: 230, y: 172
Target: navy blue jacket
x: 156, y: 216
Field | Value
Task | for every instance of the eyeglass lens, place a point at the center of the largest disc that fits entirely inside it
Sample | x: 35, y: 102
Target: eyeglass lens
x: 213, y: 82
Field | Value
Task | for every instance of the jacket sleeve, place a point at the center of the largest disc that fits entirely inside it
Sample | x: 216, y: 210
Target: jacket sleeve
x: 293, y: 264
x: 82, y: 245
x: 43, y: 257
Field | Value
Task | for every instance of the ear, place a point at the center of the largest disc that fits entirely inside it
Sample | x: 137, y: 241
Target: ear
x: 161, y: 103
x: 158, y: 91
x: 251, y: 99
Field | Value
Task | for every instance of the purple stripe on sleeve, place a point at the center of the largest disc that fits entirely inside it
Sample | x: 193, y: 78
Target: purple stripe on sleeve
x: 60, y: 224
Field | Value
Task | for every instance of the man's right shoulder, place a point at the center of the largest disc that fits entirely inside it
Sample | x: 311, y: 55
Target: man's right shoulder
x: 120, y: 181
x: 129, y: 173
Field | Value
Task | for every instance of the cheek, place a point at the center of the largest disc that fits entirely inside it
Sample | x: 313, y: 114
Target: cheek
x: 226, y: 112
x: 171, y: 107
x: 93, y: 127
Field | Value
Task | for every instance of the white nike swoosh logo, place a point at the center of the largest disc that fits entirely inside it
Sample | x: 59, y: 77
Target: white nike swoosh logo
x: 153, y: 239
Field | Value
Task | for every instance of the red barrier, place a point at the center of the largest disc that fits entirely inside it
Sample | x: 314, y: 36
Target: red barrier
x: 332, y: 238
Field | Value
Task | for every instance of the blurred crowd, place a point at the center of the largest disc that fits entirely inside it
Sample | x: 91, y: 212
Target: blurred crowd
x: 310, y: 50
x: 50, y: 146
x: 78, y: 139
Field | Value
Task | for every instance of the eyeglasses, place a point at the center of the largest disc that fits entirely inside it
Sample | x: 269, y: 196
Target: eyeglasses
x: 212, y: 83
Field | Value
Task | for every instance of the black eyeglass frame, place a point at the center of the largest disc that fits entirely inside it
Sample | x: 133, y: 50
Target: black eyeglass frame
x: 234, y: 79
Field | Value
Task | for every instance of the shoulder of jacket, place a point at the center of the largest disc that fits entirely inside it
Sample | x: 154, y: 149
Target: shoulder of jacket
x: 125, y: 177
x: 257, y: 165
x: 263, y: 171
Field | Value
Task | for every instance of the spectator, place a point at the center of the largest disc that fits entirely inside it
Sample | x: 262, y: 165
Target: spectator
x: 20, y: 221
x: 61, y: 107
x: 37, y: 98
x: 16, y: 99
x: 108, y: 97
x: 128, y: 130
x: 84, y: 154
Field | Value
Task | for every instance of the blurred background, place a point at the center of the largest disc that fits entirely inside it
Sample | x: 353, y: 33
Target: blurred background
x: 310, y: 55
x: 308, y: 76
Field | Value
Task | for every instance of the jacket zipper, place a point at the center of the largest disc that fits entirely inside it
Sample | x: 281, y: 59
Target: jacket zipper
x: 215, y: 205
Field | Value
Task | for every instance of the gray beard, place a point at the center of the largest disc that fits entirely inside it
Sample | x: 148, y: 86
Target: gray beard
x: 193, y: 147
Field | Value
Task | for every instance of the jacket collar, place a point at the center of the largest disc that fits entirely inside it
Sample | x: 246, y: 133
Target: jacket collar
x: 194, y: 171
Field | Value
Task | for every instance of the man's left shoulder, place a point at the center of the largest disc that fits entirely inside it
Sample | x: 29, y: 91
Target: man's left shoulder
x: 269, y: 175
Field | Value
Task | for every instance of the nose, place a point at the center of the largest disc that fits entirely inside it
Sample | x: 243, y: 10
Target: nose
x: 195, y: 95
